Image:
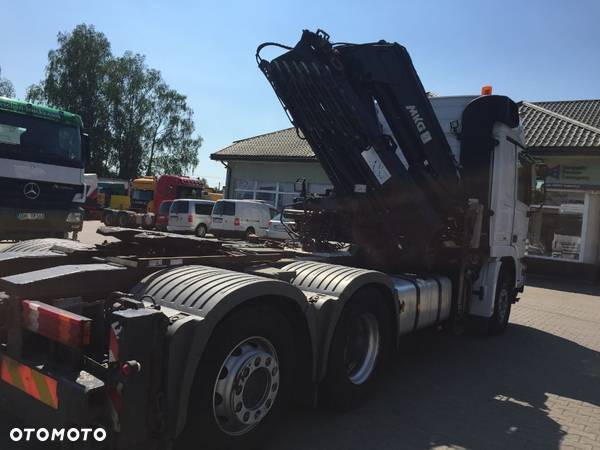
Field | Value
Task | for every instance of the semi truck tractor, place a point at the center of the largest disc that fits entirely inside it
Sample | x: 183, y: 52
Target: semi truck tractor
x: 146, y: 195
x: 183, y: 342
x: 42, y: 156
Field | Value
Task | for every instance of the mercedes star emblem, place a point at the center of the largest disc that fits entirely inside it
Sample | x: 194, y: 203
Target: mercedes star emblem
x: 31, y: 191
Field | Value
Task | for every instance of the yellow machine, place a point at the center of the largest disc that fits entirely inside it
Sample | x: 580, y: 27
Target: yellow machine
x: 142, y: 194
x: 212, y: 195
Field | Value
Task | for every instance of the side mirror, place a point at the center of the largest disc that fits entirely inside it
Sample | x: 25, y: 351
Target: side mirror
x: 85, y: 146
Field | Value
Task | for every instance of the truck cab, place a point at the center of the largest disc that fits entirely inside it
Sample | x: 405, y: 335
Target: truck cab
x: 42, y: 158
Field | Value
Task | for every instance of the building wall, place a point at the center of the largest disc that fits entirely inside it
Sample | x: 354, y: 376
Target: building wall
x: 273, y: 181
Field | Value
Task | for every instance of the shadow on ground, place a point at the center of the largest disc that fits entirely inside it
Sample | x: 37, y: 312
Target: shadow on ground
x: 478, y: 393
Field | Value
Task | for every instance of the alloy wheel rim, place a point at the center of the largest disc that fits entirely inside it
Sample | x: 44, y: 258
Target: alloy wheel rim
x: 362, y: 348
x: 246, y: 387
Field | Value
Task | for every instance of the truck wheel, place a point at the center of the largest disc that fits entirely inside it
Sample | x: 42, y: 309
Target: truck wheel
x: 502, y: 304
x: 201, y: 230
x: 123, y: 220
x: 242, y: 383
x: 108, y: 219
x: 249, y: 231
x: 360, y: 346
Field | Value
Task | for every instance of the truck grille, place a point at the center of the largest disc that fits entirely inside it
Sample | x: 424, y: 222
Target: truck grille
x: 50, y: 194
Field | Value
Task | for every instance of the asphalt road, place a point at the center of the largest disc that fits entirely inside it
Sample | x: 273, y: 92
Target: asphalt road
x: 537, y: 386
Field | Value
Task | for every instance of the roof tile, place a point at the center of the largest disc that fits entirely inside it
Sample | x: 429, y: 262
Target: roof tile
x: 560, y: 124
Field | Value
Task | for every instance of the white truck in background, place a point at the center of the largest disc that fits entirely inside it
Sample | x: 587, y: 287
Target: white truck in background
x: 180, y: 341
x: 42, y: 157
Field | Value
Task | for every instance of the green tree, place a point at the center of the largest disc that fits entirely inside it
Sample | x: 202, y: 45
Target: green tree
x: 170, y: 143
x: 151, y: 123
x: 137, y: 123
x: 76, y: 78
x: 6, y: 87
x: 131, y: 90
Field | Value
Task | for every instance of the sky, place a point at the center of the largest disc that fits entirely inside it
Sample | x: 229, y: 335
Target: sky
x: 529, y: 50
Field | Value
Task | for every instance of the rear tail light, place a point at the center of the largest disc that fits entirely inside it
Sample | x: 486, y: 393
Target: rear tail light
x: 57, y: 324
x: 236, y: 221
x: 190, y: 218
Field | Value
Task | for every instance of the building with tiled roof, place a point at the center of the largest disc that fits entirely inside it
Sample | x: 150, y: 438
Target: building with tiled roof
x: 561, y: 125
x: 282, y: 145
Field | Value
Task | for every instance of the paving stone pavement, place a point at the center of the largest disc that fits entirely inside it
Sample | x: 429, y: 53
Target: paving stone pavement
x: 535, y: 387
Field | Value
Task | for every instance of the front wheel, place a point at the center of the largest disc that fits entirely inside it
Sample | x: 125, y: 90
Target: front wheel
x: 242, y: 382
x: 360, y: 346
x: 505, y: 291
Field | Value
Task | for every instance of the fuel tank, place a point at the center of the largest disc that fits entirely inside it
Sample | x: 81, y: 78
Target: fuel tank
x: 424, y: 301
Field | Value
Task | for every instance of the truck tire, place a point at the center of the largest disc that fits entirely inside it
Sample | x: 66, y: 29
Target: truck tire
x: 108, y: 219
x: 361, y: 345
x: 498, y: 323
x: 242, y: 382
x: 123, y: 220
x: 249, y: 232
x: 201, y: 230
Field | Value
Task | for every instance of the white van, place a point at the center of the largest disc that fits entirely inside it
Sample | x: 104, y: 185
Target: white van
x: 190, y: 216
x: 241, y: 218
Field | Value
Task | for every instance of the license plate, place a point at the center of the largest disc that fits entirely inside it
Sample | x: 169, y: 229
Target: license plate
x: 31, y: 216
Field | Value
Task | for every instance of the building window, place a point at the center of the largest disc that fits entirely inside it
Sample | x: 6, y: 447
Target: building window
x: 276, y: 193
x: 555, y: 229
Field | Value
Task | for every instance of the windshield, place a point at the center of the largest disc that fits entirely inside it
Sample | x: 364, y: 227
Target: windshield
x: 164, y: 208
x: 29, y: 138
x: 142, y: 196
x: 189, y: 192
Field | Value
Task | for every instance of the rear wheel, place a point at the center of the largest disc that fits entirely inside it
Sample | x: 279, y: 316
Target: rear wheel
x: 249, y: 232
x: 242, y: 383
x: 360, y: 346
x: 123, y: 220
x: 505, y: 291
x: 201, y: 230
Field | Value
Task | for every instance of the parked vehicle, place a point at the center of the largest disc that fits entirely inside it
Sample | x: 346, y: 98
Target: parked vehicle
x: 241, y: 218
x: 42, y: 155
x: 190, y: 216
x: 113, y: 194
x: 185, y: 342
x: 147, y: 194
x: 162, y: 216
x: 281, y: 226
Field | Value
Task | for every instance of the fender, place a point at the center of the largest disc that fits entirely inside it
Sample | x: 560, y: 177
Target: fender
x: 486, y: 283
x: 207, y: 294
x: 329, y: 286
